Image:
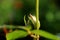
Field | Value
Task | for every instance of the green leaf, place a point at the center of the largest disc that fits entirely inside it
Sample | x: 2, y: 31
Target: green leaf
x: 45, y: 34
x: 16, y: 34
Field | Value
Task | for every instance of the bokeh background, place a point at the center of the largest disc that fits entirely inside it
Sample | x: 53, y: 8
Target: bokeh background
x: 12, y: 13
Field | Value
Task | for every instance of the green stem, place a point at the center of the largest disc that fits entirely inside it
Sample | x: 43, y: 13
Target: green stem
x: 37, y: 11
x: 34, y: 39
x: 37, y: 16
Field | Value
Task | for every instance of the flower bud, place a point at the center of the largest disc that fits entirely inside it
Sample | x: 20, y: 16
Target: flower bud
x: 33, y: 20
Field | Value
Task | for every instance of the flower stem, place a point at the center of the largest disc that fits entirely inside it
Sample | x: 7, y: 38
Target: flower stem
x: 37, y: 11
x: 37, y: 16
x: 34, y: 39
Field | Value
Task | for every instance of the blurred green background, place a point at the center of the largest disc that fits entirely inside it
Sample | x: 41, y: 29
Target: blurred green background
x: 12, y: 13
